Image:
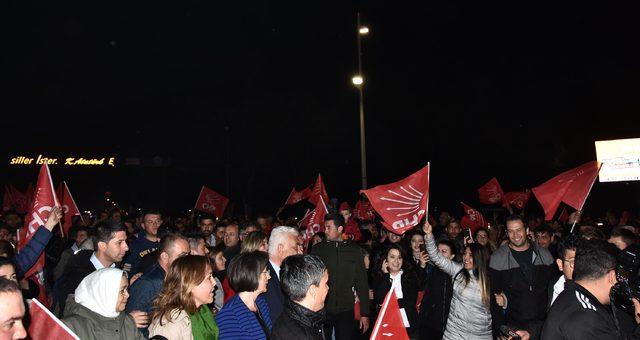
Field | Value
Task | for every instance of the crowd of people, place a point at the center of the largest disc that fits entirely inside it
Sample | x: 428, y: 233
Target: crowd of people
x: 153, y: 276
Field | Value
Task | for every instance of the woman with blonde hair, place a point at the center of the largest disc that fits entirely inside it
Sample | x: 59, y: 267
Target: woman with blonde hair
x: 256, y: 240
x: 180, y: 312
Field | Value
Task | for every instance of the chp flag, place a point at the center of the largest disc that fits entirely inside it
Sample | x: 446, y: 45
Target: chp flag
x: 472, y: 218
x: 314, y: 221
x: 43, y: 202
x: 402, y: 204
x: 69, y: 206
x: 211, y: 202
x: 391, y: 321
x: 298, y: 196
x: 491, y: 192
x: 517, y: 199
x: 45, y: 325
x: 318, y: 190
x: 571, y: 187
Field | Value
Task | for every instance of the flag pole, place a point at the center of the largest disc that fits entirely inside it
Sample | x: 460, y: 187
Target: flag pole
x: 585, y: 198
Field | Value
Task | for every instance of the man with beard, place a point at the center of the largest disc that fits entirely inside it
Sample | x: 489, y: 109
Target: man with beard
x: 520, y: 274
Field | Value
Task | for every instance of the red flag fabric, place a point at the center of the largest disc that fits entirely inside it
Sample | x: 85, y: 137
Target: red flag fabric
x: 7, y: 199
x: 364, y: 211
x: 472, y: 219
x: 45, y: 325
x: 401, y: 204
x: 211, y: 202
x: 298, y: 196
x: 517, y: 199
x: 29, y: 195
x: 571, y: 187
x: 564, y: 216
x: 318, y: 190
x: 20, y: 200
x: 314, y: 221
x: 389, y: 324
x: 491, y: 192
x: 44, y: 200
x: 69, y: 207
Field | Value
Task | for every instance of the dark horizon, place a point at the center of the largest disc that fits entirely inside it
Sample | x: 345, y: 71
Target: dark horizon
x: 257, y: 99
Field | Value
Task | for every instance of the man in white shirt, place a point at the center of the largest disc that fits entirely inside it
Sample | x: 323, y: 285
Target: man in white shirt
x: 567, y: 253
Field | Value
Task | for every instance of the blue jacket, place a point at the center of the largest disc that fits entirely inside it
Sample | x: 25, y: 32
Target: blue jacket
x: 138, y: 249
x: 144, y: 290
x: 274, y: 295
x: 32, y: 251
x: 236, y: 321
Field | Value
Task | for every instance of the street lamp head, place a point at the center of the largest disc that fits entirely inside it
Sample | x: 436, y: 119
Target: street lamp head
x: 363, y: 30
x: 357, y: 80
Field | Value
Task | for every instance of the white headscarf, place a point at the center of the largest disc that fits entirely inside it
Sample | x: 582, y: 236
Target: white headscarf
x: 99, y: 291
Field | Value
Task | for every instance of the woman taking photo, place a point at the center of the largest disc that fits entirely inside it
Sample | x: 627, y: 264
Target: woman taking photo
x: 469, y: 315
x: 180, y: 312
x: 398, y: 273
x: 95, y: 311
x: 246, y: 314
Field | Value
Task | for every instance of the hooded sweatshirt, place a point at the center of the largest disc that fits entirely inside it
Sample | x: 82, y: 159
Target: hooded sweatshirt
x: 91, y: 312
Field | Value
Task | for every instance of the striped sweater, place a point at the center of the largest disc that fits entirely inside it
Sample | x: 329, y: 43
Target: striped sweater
x: 236, y: 321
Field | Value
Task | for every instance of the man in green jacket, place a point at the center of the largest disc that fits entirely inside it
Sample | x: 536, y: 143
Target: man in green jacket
x: 345, y: 264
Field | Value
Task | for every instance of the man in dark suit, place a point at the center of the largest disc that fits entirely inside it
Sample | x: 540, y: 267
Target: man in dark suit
x: 283, y: 242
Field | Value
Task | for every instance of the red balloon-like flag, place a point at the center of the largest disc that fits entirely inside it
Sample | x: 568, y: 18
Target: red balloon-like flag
x: 402, y: 204
x: 211, y: 202
x: 491, y: 192
x: 571, y: 187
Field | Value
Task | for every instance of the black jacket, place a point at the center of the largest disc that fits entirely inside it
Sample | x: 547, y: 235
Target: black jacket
x: 78, y: 268
x: 526, y: 301
x: 275, y: 298
x: 577, y: 314
x: 345, y: 264
x: 410, y: 287
x: 298, y: 322
x: 434, y: 308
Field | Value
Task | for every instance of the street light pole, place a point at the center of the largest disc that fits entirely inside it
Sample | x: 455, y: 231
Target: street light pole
x: 363, y: 153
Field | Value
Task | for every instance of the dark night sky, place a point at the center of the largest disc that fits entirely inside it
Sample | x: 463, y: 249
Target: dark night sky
x: 514, y: 90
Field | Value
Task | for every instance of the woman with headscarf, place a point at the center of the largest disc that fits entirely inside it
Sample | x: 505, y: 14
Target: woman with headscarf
x: 95, y: 311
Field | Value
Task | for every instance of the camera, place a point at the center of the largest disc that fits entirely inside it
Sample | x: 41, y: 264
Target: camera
x: 628, y: 275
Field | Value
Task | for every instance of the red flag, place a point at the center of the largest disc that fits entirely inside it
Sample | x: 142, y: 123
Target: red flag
x: 491, y: 192
x: 211, y: 202
x: 20, y: 200
x: 401, y: 204
x: 45, y: 325
x: 564, y: 216
x: 571, y: 187
x: 7, y: 200
x: 44, y: 200
x: 318, y: 190
x: 472, y: 219
x: 298, y: 196
x: 363, y: 210
x: 389, y: 324
x: 29, y: 195
x: 314, y: 221
x: 517, y: 199
x: 69, y: 207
